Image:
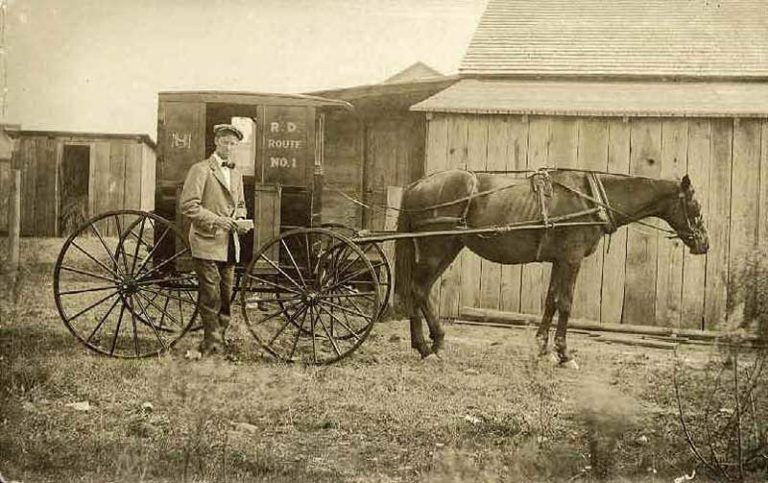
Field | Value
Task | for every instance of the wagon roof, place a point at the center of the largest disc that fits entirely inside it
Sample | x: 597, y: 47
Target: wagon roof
x: 602, y: 98
x: 243, y: 97
x: 658, y: 38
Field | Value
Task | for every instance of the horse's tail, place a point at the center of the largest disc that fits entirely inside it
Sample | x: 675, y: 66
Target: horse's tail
x: 405, y: 259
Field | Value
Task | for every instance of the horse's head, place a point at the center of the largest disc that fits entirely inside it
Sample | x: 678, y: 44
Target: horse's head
x: 684, y: 216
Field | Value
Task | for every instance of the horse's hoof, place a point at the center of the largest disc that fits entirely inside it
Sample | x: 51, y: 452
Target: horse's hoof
x: 431, y: 358
x: 570, y: 364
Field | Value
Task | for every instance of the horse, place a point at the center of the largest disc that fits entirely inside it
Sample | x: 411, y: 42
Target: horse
x: 552, y: 215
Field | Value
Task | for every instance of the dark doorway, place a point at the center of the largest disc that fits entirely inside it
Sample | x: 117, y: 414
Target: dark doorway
x: 73, y: 187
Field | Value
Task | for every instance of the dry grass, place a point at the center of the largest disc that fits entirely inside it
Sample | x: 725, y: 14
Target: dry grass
x: 487, y: 411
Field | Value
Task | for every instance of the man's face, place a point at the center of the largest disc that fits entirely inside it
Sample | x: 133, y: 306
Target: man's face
x: 225, y: 143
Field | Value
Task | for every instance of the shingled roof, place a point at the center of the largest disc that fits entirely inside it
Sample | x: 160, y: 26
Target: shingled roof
x: 621, y: 38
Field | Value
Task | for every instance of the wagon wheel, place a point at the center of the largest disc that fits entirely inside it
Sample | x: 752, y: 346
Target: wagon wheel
x: 311, y: 296
x: 130, y: 234
x: 378, y: 258
x: 123, y: 285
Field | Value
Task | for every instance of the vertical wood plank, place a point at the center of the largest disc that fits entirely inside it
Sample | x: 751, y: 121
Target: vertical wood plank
x: 716, y: 221
x: 564, y: 139
x: 532, y: 285
x: 117, y: 176
x: 450, y: 283
x: 58, y: 183
x: 763, y: 203
x: 148, y: 179
x: 498, y: 142
x: 561, y: 153
x: 437, y: 159
x: 694, y: 267
x: 27, y: 167
x: 642, y: 243
x: 477, y: 155
x: 592, y: 154
x: 669, y: 281
x: 44, y: 186
x: 100, y: 183
x: 745, y: 188
x: 133, y: 176
x: 516, y: 160
x: 615, y: 252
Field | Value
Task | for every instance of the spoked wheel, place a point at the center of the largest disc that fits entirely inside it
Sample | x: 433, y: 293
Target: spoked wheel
x: 377, y: 257
x: 121, y: 286
x: 310, y: 296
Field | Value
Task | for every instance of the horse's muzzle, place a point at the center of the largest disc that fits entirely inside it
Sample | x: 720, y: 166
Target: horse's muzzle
x: 700, y: 244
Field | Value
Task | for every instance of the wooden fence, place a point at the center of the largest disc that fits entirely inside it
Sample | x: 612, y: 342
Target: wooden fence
x: 641, y: 277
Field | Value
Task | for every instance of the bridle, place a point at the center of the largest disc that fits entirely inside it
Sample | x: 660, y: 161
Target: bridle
x: 692, y: 233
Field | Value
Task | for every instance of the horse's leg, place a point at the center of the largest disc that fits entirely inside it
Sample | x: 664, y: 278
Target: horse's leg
x: 436, y: 332
x: 570, y: 272
x: 542, y: 334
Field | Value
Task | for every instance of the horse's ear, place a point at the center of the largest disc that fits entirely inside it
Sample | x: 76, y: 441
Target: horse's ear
x: 686, y: 183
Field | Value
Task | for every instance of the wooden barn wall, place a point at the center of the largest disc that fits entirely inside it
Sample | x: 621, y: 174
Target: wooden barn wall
x: 641, y: 277
x: 343, y: 157
x: 118, y: 179
x: 363, y: 157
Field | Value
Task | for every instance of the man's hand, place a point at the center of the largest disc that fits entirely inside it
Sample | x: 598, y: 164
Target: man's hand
x: 244, y: 226
x: 225, y: 223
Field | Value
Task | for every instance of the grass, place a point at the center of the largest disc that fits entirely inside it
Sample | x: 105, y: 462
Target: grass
x: 488, y: 411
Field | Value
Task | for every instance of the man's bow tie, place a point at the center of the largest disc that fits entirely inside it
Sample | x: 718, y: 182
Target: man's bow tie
x: 228, y: 164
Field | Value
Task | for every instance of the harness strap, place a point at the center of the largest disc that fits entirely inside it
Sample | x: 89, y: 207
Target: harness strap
x: 598, y: 191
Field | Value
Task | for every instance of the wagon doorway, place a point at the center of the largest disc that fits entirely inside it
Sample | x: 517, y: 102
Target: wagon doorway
x: 73, y: 187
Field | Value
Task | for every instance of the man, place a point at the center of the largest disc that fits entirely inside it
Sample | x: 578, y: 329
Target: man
x: 212, y: 199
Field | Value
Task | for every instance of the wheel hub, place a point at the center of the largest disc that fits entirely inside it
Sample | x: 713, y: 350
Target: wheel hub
x: 311, y: 298
x: 129, y: 286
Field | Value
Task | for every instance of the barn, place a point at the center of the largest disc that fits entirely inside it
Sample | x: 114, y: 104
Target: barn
x: 655, y: 88
x: 67, y: 177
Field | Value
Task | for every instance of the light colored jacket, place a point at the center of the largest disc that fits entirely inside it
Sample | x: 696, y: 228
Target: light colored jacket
x: 205, y: 198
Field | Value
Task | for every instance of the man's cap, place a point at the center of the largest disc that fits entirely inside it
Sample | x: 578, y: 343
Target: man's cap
x: 219, y: 129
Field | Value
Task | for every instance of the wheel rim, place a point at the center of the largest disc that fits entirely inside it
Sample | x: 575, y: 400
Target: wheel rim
x: 123, y: 285
x: 310, y: 296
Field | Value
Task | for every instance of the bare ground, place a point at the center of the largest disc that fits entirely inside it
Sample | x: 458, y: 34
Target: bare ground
x: 487, y: 410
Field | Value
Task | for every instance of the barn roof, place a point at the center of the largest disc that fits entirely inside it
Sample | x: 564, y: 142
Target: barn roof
x: 418, y: 71
x: 659, y: 38
x: 602, y: 98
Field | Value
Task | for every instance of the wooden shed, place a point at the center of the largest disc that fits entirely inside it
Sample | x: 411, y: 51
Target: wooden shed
x: 67, y: 177
x: 377, y: 146
x: 655, y: 88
